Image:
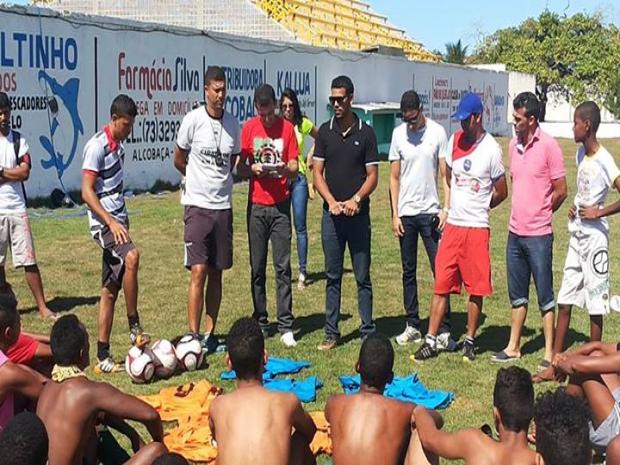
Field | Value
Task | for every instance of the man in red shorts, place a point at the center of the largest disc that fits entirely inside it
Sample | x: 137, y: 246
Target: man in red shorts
x: 478, y: 183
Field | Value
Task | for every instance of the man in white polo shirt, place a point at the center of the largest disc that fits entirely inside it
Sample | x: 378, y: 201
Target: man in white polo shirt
x: 477, y: 184
x: 417, y: 153
x: 208, y: 144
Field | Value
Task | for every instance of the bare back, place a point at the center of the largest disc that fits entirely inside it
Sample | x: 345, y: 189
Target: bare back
x: 69, y: 416
x: 368, y: 428
x: 482, y: 450
x: 253, y: 426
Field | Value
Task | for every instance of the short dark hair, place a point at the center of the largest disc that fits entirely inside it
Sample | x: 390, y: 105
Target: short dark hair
x: 590, y: 111
x: 5, y: 102
x: 171, y: 458
x: 530, y: 102
x: 214, y: 73
x: 123, y: 105
x: 246, y: 347
x: 67, y: 340
x: 264, y: 95
x: 343, y: 82
x: 410, y: 101
x: 24, y: 441
x: 8, y: 311
x: 562, y: 432
x: 376, y: 361
x: 513, y: 396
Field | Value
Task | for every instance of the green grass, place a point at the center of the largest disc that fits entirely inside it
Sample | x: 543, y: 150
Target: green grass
x: 70, y: 262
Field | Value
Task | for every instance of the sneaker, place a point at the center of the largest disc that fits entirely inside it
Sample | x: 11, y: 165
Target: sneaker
x: 288, y: 339
x: 107, y: 365
x: 211, y: 344
x: 328, y: 343
x: 445, y: 342
x: 469, y: 354
x: 137, y: 336
x: 301, y: 282
x: 425, y: 352
x: 410, y: 334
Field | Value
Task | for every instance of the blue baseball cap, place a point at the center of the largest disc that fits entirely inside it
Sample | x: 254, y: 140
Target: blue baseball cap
x: 470, y: 104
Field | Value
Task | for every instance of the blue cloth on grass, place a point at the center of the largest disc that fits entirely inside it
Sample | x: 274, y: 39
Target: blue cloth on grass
x: 273, y: 368
x: 305, y: 389
x: 406, y: 389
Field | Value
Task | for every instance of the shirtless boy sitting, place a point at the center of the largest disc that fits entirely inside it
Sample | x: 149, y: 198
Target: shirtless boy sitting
x: 71, y: 408
x: 513, y: 408
x: 253, y: 425
x: 368, y: 428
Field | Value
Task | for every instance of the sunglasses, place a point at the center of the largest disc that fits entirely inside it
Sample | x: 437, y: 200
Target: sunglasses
x: 413, y: 120
x: 286, y: 105
x: 340, y: 100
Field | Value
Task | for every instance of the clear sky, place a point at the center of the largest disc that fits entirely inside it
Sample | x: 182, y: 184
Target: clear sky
x: 435, y: 22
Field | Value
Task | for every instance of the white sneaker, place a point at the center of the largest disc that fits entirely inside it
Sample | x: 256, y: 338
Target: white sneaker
x: 288, y: 339
x: 445, y: 342
x: 410, y: 334
x: 301, y: 282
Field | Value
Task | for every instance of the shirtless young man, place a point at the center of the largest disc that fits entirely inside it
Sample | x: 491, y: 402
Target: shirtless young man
x: 253, y: 425
x: 368, y: 428
x: 71, y: 408
x: 513, y: 408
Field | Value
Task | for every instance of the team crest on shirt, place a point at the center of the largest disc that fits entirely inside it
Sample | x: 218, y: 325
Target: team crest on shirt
x: 268, y: 150
x: 467, y: 164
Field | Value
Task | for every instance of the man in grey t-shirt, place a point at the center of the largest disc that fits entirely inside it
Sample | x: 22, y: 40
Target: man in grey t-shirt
x: 207, y: 149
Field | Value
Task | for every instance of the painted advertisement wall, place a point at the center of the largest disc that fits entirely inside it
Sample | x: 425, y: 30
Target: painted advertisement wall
x: 61, y: 73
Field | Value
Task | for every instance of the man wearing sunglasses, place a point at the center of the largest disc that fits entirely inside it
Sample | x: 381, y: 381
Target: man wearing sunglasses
x: 345, y: 174
x: 417, y: 152
x: 477, y: 184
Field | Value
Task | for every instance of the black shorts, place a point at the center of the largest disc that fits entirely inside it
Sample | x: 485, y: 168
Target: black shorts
x: 208, y: 237
x: 113, y: 259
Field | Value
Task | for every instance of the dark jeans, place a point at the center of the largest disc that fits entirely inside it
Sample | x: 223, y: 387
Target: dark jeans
x: 337, y: 232
x: 273, y: 223
x: 526, y: 257
x: 421, y: 225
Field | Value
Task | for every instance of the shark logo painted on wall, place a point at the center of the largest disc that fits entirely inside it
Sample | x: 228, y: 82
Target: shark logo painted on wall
x: 65, y: 125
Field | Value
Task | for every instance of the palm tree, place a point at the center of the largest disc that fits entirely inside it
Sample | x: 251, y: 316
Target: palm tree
x: 455, y: 53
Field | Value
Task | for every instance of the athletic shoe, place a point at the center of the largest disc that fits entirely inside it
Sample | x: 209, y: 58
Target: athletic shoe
x: 301, y: 282
x: 445, y: 342
x: 212, y: 344
x: 469, y: 354
x: 107, y: 365
x: 328, y: 343
x: 425, y: 352
x: 410, y: 334
x: 136, y: 335
x: 288, y: 339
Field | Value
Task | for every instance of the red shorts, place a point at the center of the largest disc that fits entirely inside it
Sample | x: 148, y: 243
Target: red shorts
x: 23, y: 351
x: 463, y: 259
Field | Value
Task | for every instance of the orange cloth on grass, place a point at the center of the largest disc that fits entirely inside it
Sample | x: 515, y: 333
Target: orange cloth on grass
x: 322, y: 442
x: 182, y: 402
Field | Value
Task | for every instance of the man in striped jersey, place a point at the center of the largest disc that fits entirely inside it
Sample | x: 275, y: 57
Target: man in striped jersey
x: 102, y: 190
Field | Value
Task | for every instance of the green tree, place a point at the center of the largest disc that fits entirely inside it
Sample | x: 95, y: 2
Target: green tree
x: 577, y: 56
x: 455, y: 53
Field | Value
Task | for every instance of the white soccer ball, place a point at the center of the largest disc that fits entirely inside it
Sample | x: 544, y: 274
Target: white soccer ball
x: 165, y: 358
x: 189, y: 353
x: 139, y: 365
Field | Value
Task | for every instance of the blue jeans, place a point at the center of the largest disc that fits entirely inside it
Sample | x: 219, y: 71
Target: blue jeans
x: 336, y: 233
x: 299, y: 200
x: 530, y: 256
x: 421, y: 225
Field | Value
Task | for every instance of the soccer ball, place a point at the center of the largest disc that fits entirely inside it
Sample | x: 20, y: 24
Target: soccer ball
x: 165, y: 358
x: 189, y: 352
x: 139, y: 365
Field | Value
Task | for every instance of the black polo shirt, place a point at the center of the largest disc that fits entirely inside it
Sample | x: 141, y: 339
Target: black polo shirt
x: 346, y: 157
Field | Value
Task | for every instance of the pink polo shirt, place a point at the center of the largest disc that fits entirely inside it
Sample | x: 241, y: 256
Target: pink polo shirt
x: 6, y: 404
x: 533, y: 168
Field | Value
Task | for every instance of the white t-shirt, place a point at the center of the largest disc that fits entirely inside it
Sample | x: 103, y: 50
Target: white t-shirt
x: 211, y: 143
x: 475, y: 168
x: 419, y: 153
x: 11, y: 192
x: 596, y: 174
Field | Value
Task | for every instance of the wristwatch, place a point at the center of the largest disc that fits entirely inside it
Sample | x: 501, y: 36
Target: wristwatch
x: 357, y: 199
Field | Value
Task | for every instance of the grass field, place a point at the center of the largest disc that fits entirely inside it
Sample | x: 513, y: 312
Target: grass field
x: 70, y: 263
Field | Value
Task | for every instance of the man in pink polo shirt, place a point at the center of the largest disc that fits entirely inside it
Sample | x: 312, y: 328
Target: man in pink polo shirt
x: 538, y: 189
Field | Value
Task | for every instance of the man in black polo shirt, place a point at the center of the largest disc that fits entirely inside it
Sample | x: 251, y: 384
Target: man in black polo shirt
x: 345, y: 174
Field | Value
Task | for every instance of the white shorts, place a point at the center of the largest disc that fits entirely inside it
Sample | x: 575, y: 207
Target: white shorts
x: 586, y: 272
x: 15, y: 232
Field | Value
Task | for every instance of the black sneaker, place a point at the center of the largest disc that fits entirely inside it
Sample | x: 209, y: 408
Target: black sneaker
x: 211, y: 344
x: 469, y: 354
x: 425, y: 352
